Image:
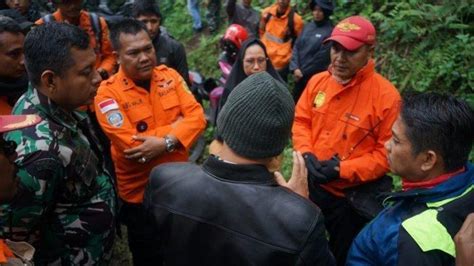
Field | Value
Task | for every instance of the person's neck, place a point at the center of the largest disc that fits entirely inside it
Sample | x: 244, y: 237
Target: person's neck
x: 341, y: 80
x: 74, y: 21
x: 432, y: 174
x: 43, y: 94
x: 431, y: 179
x: 320, y: 22
x: 281, y: 12
x: 345, y: 81
x: 157, y: 36
x: 143, y: 83
x: 228, y: 155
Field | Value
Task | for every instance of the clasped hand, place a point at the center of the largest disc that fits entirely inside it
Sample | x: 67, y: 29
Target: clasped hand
x: 321, y: 172
x: 150, y: 148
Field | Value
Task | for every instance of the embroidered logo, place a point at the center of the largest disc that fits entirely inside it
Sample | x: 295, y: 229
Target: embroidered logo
x: 347, y: 27
x: 319, y: 99
x: 115, y: 118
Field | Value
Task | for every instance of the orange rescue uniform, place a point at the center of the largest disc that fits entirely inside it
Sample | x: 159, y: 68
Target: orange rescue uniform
x: 5, y: 107
x: 274, y: 33
x: 353, y: 121
x: 5, y: 252
x: 105, y: 59
x: 169, y: 108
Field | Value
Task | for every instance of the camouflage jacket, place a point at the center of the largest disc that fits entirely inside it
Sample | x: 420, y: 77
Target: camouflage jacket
x: 66, y: 203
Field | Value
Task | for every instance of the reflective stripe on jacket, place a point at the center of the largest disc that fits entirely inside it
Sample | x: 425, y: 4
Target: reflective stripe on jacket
x: 419, y: 227
x: 273, y: 35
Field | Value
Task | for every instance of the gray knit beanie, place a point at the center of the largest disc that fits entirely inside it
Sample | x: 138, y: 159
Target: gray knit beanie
x: 256, y: 120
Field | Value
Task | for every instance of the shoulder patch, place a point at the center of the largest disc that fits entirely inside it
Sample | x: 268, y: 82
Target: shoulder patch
x: 108, y: 105
x: 115, y: 118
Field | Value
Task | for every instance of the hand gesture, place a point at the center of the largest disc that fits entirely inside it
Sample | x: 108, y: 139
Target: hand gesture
x: 148, y: 150
x: 298, y: 74
x: 464, y: 241
x: 298, y: 182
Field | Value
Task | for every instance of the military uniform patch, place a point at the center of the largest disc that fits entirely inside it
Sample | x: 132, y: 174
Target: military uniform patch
x: 115, y: 118
x: 319, y: 99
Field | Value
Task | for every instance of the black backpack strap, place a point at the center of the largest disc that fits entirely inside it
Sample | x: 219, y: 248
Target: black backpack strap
x: 265, y: 21
x: 291, y: 34
x: 95, y: 22
x: 267, y: 18
x: 48, y: 18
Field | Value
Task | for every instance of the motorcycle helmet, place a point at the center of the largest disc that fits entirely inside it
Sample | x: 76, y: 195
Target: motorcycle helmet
x: 233, y: 38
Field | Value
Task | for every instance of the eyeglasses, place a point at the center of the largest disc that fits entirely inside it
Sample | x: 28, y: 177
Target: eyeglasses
x: 8, y: 147
x: 251, y: 61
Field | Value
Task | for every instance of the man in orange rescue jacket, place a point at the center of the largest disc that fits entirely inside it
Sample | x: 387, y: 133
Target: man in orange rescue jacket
x: 150, y: 117
x: 342, y: 121
x: 70, y: 11
x: 279, y: 27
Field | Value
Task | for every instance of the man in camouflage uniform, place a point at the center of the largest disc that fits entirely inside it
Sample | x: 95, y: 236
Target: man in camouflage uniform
x: 65, y: 206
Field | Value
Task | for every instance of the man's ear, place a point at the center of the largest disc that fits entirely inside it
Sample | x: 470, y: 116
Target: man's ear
x: 429, y: 161
x: 48, y: 81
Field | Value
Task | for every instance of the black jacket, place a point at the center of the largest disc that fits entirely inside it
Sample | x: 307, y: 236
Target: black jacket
x: 310, y: 55
x: 171, y: 53
x: 228, y: 214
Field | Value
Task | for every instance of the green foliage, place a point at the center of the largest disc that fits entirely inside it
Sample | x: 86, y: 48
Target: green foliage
x: 422, y: 45
x: 204, y: 57
x: 176, y: 19
x: 287, y: 162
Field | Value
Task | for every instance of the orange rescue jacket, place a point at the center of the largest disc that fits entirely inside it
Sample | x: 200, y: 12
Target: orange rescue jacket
x: 147, y: 114
x: 353, y: 121
x: 5, y: 107
x: 105, y: 59
x: 273, y: 32
x: 5, y: 252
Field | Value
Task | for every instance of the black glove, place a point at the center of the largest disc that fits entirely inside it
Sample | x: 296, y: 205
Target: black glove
x: 330, y: 169
x: 314, y: 166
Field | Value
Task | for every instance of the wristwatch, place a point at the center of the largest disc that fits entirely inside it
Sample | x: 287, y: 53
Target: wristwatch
x: 170, y: 144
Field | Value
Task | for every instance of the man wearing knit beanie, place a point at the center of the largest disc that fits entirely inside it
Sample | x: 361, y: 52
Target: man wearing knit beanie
x: 232, y: 210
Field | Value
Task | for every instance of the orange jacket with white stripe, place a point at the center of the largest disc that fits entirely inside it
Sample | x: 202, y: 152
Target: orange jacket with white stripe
x: 273, y: 32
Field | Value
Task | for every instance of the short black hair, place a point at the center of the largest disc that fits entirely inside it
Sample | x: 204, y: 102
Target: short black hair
x: 145, y: 7
x: 48, y: 47
x: 8, y: 24
x: 127, y: 26
x: 442, y: 123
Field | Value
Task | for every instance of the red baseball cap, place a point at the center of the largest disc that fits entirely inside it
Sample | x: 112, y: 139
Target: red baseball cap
x: 12, y: 122
x: 353, y: 32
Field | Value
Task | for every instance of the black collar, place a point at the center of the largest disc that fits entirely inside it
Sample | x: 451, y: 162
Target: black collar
x: 242, y: 173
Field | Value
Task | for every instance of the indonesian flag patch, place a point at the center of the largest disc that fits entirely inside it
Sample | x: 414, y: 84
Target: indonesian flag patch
x: 108, y: 105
